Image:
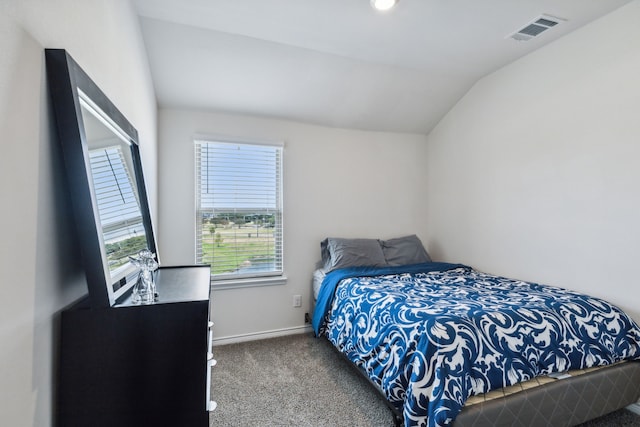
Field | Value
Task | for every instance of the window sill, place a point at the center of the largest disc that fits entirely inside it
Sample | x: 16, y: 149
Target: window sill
x: 250, y: 282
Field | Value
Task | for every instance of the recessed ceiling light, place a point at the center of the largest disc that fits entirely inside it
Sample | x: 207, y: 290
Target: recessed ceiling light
x: 383, y: 5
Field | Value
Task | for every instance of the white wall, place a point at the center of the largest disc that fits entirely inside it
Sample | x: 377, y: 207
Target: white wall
x: 336, y: 183
x: 38, y: 255
x: 534, y: 173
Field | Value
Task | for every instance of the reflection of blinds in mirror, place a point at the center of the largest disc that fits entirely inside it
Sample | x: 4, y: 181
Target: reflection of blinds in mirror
x: 115, y: 194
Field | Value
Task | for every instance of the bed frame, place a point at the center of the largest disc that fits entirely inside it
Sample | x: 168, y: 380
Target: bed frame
x: 562, y: 402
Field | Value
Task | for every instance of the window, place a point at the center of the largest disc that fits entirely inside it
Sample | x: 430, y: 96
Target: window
x: 239, y: 208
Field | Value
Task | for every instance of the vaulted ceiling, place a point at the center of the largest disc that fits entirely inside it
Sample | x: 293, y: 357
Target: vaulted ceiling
x: 339, y: 63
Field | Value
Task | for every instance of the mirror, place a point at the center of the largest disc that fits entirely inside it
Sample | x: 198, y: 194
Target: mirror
x: 112, y: 171
x: 104, y: 172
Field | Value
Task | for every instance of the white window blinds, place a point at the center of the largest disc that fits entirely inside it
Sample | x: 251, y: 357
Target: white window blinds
x: 239, y: 208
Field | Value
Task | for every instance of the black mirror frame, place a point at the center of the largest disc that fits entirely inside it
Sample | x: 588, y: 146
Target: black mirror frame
x: 65, y: 77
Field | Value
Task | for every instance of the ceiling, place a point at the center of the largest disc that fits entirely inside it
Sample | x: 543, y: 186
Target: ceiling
x: 339, y: 63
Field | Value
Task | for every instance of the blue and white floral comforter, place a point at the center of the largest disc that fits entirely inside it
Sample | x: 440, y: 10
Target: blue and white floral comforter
x: 431, y: 335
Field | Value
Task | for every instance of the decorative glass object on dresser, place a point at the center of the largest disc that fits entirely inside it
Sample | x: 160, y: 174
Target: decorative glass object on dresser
x: 123, y: 363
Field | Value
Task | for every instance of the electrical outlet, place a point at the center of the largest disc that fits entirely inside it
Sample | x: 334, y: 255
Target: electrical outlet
x: 297, y: 300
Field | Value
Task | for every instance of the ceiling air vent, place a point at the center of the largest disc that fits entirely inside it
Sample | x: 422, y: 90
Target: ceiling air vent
x: 536, y: 27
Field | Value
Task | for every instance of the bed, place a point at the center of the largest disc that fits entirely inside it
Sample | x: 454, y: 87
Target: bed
x: 437, y: 338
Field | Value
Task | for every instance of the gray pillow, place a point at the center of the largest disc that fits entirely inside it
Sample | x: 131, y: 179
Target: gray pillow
x: 342, y: 253
x: 404, y: 251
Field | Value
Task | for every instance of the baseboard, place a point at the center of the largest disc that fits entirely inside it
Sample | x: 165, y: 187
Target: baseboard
x: 634, y: 407
x: 262, y: 335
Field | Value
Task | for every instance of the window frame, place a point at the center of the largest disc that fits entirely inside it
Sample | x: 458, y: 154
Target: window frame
x: 233, y: 279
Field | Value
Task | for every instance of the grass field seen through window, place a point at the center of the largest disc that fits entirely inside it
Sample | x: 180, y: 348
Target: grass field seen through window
x: 234, y: 247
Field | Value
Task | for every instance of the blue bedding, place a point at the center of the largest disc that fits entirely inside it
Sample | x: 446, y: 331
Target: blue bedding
x: 431, y: 335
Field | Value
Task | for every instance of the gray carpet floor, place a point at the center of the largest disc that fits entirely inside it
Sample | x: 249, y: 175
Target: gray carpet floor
x: 299, y: 380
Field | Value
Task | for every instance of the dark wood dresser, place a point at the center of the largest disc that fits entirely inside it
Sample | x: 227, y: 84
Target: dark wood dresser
x: 140, y: 365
